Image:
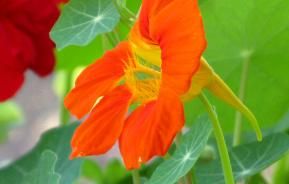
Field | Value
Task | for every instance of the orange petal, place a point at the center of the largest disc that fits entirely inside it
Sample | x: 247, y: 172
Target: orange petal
x: 177, y: 28
x: 96, y: 80
x: 150, y: 130
x: 148, y: 10
x: 100, y: 131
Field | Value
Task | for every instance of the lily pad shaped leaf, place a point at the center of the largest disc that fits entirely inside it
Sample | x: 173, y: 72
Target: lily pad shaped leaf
x: 56, y: 159
x: 44, y: 173
x: 247, y: 160
x: 185, y: 156
x: 248, y: 46
x: 82, y: 20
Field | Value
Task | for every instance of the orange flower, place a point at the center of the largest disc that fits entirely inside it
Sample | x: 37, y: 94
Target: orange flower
x: 158, y: 68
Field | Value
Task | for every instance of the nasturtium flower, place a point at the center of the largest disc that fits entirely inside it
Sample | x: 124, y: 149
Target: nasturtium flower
x: 156, y: 70
x: 24, y: 41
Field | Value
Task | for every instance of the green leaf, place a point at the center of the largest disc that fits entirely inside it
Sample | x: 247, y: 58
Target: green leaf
x: 247, y: 160
x: 258, y: 32
x: 283, y: 124
x: 44, y: 172
x: 185, y: 156
x: 257, y: 179
x: 148, y: 169
x: 145, y: 172
x: 82, y: 20
x: 114, y: 172
x: 10, y: 116
x: 56, y: 140
x: 92, y: 171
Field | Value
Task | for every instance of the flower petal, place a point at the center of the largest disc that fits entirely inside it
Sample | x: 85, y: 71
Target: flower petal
x: 149, y: 9
x: 10, y: 82
x: 96, y: 80
x: 177, y: 28
x: 150, y: 130
x: 17, y: 52
x: 103, y: 127
x: 45, y: 60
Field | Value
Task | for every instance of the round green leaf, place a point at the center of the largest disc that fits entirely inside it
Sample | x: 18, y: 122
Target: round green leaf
x: 82, y: 20
x: 254, y: 32
x: 247, y: 160
x: 44, y: 173
x: 56, y: 141
x: 185, y: 156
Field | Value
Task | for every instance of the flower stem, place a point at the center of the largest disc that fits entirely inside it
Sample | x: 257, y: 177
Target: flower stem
x: 238, y: 119
x: 280, y: 175
x: 64, y: 114
x: 223, y: 151
x: 188, y: 178
x: 126, y: 16
x: 193, y: 176
x: 136, y: 177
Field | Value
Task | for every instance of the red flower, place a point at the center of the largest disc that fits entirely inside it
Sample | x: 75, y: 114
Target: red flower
x: 153, y: 69
x: 24, y: 41
x: 157, y: 69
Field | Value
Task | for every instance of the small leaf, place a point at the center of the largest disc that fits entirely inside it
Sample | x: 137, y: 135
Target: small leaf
x: 58, y: 141
x: 82, y: 20
x: 247, y: 160
x: 185, y: 156
x: 44, y: 173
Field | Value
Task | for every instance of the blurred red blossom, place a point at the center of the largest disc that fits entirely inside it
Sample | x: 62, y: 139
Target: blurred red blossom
x: 24, y: 41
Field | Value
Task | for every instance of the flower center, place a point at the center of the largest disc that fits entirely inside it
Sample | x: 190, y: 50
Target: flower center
x: 143, y: 71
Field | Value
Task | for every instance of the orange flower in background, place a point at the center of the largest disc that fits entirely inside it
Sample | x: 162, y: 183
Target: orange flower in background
x: 24, y: 41
x: 158, y: 68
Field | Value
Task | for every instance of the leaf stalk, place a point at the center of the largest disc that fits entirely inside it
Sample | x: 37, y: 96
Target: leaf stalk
x: 223, y: 151
x: 136, y: 177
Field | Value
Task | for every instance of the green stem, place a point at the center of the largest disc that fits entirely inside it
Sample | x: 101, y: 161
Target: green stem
x: 126, y: 16
x: 238, y: 118
x: 111, y: 39
x: 64, y: 113
x: 280, y: 175
x: 136, y: 177
x: 193, y: 176
x: 106, y: 45
x: 188, y: 178
x: 223, y: 151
